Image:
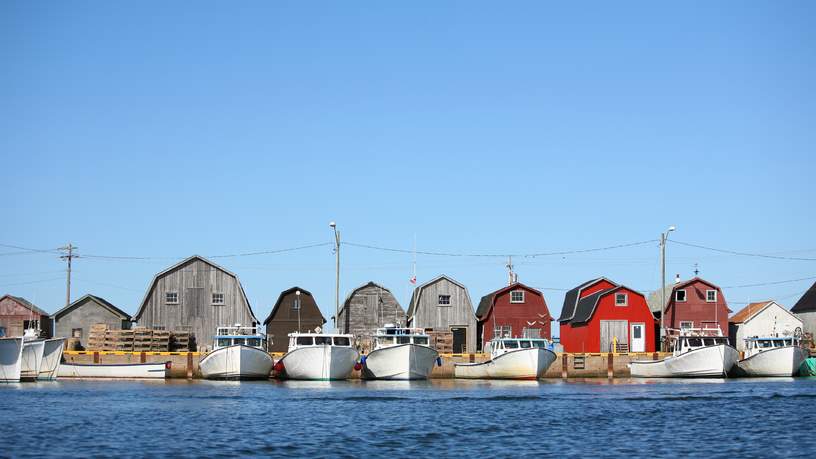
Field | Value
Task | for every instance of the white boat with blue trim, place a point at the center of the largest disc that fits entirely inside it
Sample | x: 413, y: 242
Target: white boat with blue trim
x: 696, y: 353
x: 400, y: 353
x: 238, y: 353
x: 510, y: 358
x: 11, y: 359
x: 318, y: 356
x: 771, y: 356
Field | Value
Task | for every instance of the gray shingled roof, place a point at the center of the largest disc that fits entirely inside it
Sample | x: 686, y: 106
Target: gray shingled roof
x: 571, y: 299
x: 101, y: 301
x: 807, y: 303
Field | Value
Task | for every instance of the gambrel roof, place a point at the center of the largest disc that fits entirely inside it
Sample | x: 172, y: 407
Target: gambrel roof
x: 415, y: 296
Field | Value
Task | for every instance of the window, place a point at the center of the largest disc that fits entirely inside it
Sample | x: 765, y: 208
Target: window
x: 171, y: 297
x: 218, y: 299
x: 531, y: 333
x: 686, y: 325
x: 444, y: 300
x: 223, y: 342
x: 421, y: 340
x: 503, y: 331
x: 76, y: 333
x: 254, y: 342
x: 403, y: 340
x: 695, y: 342
x: 517, y: 296
x: 621, y: 299
x: 525, y: 344
x: 711, y: 296
x: 342, y: 341
x: 540, y: 344
x: 511, y: 344
x: 323, y: 340
x: 31, y: 324
x: 680, y: 296
x: 305, y: 341
x: 238, y: 341
x: 636, y: 331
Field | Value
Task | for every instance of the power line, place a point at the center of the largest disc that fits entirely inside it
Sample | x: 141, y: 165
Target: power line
x: 771, y: 283
x: 26, y: 249
x: 744, y: 254
x: 231, y: 255
x: 33, y: 282
x: 500, y: 255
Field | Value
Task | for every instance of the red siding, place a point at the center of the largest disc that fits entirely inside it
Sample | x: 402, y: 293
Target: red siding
x: 696, y: 309
x: 587, y: 337
x: 517, y: 315
x: 597, y: 287
x: 13, y: 314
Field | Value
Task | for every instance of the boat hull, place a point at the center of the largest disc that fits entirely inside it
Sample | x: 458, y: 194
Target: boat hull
x: 706, y: 362
x: 781, y: 361
x: 400, y: 362
x: 32, y: 359
x: 11, y: 353
x: 518, y: 364
x: 113, y: 371
x: 323, y: 363
x: 52, y: 356
x: 649, y: 369
x: 236, y: 362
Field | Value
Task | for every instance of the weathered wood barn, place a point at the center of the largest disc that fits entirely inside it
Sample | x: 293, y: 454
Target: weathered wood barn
x: 366, y: 308
x: 805, y: 309
x: 195, y: 296
x: 762, y: 319
x: 696, y: 303
x: 18, y: 314
x: 295, y: 310
x: 600, y: 313
x: 75, y: 320
x: 516, y: 310
x: 443, y: 304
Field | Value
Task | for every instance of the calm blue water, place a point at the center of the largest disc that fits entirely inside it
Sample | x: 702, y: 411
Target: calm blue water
x: 746, y: 418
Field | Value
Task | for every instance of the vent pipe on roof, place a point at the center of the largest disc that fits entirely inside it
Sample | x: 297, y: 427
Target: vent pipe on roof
x: 676, y: 279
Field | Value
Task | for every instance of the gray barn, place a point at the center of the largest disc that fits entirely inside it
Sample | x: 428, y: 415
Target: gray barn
x: 443, y: 304
x: 195, y: 296
x: 366, y: 308
x: 75, y: 320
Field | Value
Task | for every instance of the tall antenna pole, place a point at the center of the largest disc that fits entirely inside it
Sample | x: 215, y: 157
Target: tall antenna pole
x: 511, y: 276
x: 68, y: 257
x: 333, y: 225
x: 663, y: 238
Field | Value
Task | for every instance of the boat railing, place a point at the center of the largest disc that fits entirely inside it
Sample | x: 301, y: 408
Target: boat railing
x: 708, y: 332
x: 397, y: 331
x: 237, y: 331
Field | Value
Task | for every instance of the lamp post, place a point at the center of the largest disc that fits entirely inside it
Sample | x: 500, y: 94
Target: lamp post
x: 333, y: 226
x: 297, y: 306
x: 663, y: 238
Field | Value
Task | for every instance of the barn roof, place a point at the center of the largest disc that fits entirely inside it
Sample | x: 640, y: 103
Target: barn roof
x: 808, y: 301
x: 182, y: 263
x: 752, y: 310
x: 586, y: 306
x: 101, y: 301
x: 571, y: 299
x: 280, y: 300
x: 25, y: 303
x: 487, y: 301
x: 367, y: 284
x: 418, y: 292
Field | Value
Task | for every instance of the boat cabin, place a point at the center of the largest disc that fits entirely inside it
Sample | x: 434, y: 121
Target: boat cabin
x: 298, y: 340
x: 690, y: 339
x: 500, y: 346
x: 395, y: 335
x: 238, y: 335
x: 756, y: 345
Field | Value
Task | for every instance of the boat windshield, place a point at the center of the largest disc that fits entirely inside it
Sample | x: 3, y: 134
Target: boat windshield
x: 403, y: 340
x: 254, y: 342
x: 386, y: 339
x: 238, y: 341
x: 765, y: 343
x: 305, y: 340
x: 695, y: 342
x: 342, y: 341
x: 323, y: 340
x: 540, y: 344
x: 525, y: 344
x: 511, y: 344
x: 224, y: 342
x: 421, y: 340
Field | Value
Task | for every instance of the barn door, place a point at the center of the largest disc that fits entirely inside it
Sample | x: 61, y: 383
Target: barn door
x: 459, y: 339
x: 611, y: 329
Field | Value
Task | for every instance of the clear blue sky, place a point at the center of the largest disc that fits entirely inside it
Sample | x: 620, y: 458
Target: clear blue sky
x: 165, y: 130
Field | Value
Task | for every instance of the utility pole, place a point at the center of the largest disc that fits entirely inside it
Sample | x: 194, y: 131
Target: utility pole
x: 68, y: 257
x: 663, y: 238
x: 333, y: 225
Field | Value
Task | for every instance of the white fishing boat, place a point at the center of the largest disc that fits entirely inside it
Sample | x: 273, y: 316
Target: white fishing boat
x: 238, y: 353
x: 318, y: 356
x: 32, y: 358
x: 400, y: 353
x: 771, y: 356
x: 510, y: 358
x: 114, y: 370
x: 11, y: 359
x: 52, y: 356
x: 696, y: 353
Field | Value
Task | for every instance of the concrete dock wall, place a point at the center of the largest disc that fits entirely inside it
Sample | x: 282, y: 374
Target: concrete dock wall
x: 185, y: 364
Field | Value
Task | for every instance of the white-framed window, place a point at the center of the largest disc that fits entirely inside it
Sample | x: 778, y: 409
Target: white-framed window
x: 517, y: 296
x: 711, y: 296
x: 680, y: 296
x: 444, y: 300
x: 621, y: 299
x: 531, y: 333
x: 76, y: 333
x: 171, y: 297
x: 502, y: 331
x: 33, y: 324
x: 218, y: 299
x: 685, y: 325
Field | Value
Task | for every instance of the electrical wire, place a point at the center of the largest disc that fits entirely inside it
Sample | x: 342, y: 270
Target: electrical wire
x: 497, y: 255
x: 744, y: 254
x: 762, y: 284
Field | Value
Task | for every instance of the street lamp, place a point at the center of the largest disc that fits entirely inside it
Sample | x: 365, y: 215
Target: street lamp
x: 297, y: 306
x: 333, y: 226
x: 663, y: 238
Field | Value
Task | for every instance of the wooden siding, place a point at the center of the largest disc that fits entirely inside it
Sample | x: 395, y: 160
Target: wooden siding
x: 13, y: 315
x: 283, y: 319
x: 195, y: 281
x: 428, y: 313
x: 367, y: 308
x: 84, y: 314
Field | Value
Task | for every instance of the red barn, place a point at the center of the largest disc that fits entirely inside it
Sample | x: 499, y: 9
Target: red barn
x: 598, y: 312
x: 696, y: 303
x: 513, y: 311
x: 18, y: 314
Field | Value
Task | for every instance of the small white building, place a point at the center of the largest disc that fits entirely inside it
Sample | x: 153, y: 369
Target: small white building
x: 766, y: 318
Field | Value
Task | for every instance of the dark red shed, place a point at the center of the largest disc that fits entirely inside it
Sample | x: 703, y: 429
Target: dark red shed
x: 696, y: 303
x: 514, y: 311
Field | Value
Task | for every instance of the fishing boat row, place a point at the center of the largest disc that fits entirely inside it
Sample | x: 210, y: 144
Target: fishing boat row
x: 29, y: 358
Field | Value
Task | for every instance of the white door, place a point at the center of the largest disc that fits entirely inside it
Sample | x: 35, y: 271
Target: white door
x: 638, y: 341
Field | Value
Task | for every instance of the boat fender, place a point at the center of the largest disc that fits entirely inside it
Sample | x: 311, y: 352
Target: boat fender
x: 363, y: 360
x: 357, y: 366
x: 167, y: 365
x: 439, y: 361
x: 279, y: 366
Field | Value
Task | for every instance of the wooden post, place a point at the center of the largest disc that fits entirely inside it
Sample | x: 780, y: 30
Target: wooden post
x: 472, y: 358
x: 189, y: 365
x: 610, y: 366
x: 96, y: 356
x: 143, y: 358
x: 564, y: 365
x: 655, y: 356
